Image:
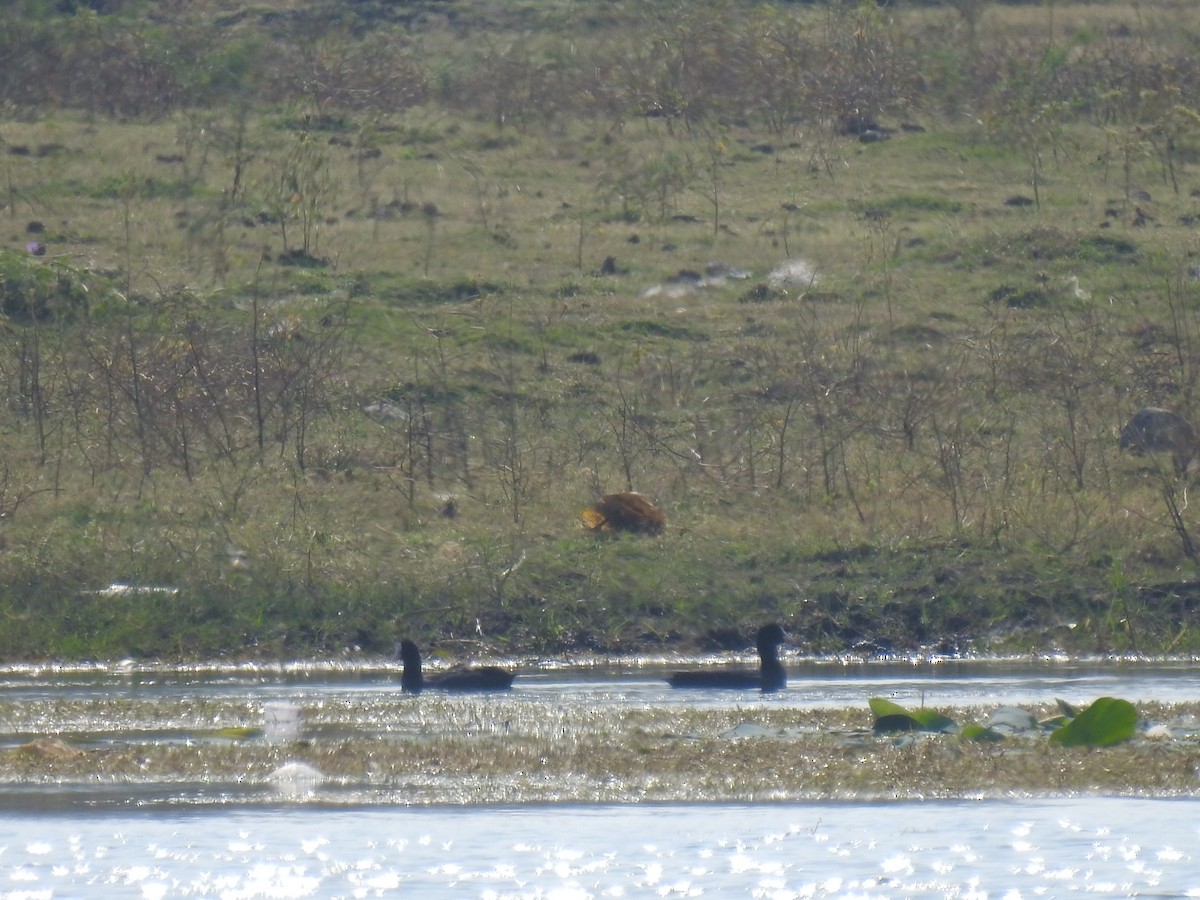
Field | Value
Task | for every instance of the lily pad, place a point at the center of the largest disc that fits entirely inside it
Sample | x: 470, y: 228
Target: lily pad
x: 981, y: 733
x: 896, y: 723
x: 891, y: 717
x: 1107, y: 721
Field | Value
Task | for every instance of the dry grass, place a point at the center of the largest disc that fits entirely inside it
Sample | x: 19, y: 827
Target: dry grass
x: 939, y: 392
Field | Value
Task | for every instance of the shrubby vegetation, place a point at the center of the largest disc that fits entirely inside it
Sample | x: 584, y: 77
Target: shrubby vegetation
x: 335, y: 316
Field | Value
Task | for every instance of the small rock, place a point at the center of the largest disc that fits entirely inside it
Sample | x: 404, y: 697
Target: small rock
x: 1012, y: 720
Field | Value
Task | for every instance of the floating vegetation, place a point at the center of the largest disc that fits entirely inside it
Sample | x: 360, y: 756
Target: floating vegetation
x: 891, y: 717
x: 381, y: 747
x: 1107, y: 721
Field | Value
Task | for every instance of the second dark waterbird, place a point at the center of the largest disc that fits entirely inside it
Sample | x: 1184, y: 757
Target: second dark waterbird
x: 769, y: 677
x: 462, y: 680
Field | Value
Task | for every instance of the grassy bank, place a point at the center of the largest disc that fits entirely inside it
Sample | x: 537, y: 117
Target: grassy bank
x: 333, y: 320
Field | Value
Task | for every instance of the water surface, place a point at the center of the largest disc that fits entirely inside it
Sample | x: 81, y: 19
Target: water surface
x: 180, y: 793
x: 812, y: 683
x: 1026, y: 848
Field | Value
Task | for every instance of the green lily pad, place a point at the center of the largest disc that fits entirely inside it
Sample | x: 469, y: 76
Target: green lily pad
x: 891, y: 717
x: 1107, y: 721
x: 981, y: 733
x: 895, y: 724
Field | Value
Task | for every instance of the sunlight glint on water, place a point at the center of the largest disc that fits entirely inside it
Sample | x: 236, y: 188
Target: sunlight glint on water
x: 1105, y: 847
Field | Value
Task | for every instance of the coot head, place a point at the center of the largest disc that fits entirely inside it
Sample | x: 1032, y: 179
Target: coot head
x: 769, y: 638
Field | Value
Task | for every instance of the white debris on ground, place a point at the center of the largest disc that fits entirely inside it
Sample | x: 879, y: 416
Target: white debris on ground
x: 123, y: 589
x: 795, y: 273
x: 686, y: 282
x: 386, y: 411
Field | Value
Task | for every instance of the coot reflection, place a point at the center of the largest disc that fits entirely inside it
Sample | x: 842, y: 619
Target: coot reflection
x: 476, y: 678
x: 770, y: 677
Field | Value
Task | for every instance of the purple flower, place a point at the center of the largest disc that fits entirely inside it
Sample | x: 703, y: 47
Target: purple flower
x: 37, y: 248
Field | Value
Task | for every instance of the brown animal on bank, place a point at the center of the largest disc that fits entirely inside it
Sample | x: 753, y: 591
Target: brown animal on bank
x: 627, y: 511
x: 1155, y: 430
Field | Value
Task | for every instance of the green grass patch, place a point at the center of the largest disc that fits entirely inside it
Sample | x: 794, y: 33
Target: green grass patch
x: 346, y: 362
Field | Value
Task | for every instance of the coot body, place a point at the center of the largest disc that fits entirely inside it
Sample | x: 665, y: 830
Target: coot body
x: 769, y: 677
x: 476, y: 678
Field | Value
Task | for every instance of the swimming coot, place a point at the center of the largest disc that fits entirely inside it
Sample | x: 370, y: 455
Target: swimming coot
x: 770, y: 677
x: 478, y: 678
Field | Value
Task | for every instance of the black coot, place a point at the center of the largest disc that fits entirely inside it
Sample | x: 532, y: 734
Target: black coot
x: 479, y: 678
x: 770, y: 676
